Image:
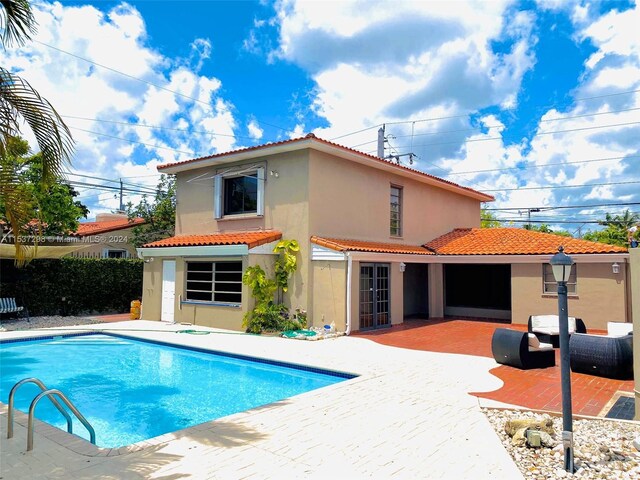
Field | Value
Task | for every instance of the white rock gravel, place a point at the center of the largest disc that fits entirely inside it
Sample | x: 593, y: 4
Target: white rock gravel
x: 45, y: 322
x: 603, y: 449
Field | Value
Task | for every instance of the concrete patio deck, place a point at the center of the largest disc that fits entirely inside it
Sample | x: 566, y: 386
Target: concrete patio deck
x: 537, y: 389
x: 408, y: 415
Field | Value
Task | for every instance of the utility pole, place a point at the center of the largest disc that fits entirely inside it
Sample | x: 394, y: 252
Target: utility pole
x: 381, y: 141
x: 529, y: 210
x: 121, y: 197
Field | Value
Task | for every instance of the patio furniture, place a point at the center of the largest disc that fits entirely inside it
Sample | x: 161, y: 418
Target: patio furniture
x: 547, y: 328
x: 8, y: 305
x: 603, y: 356
x: 619, y: 329
x: 521, y: 350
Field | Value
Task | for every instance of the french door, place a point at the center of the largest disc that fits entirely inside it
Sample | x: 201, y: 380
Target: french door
x: 374, y: 295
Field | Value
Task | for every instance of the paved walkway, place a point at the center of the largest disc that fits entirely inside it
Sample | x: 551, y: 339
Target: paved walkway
x: 537, y: 389
x: 407, y: 416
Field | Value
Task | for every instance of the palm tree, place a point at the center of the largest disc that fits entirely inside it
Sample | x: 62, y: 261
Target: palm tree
x: 20, y: 102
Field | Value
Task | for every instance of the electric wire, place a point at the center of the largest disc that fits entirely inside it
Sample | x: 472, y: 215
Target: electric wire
x: 155, y: 85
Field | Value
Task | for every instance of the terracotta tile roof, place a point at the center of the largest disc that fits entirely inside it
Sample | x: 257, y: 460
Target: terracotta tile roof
x: 512, y: 241
x: 94, y: 228
x: 342, y: 245
x: 250, y: 238
x: 312, y: 137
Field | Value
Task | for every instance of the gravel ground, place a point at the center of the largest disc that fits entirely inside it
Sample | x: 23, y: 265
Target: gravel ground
x: 603, y: 449
x: 45, y: 322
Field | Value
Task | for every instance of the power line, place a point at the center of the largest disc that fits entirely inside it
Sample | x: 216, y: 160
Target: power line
x: 502, y: 138
x: 193, y: 99
x: 544, y: 107
x: 557, y: 119
x: 156, y: 127
x: 618, y: 204
x: 151, y: 189
x: 192, y: 154
x: 107, y: 187
x: 553, y: 187
x: 358, y: 131
x: 524, y: 167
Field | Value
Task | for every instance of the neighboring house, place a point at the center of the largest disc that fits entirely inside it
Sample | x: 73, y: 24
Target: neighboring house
x: 109, y: 236
x: 379, y: 242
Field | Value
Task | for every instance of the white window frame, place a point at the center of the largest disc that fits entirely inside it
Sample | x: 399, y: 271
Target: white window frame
x: 106, y: 251
x: 400, y: 201
x: 218, y: 190
x: 550, y: 286
x: 212, y: 284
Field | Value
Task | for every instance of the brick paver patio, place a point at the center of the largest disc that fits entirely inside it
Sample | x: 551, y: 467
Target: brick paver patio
x: 538, y: 389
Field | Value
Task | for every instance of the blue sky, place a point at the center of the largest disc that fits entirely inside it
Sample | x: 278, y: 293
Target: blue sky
x: 530, y: 101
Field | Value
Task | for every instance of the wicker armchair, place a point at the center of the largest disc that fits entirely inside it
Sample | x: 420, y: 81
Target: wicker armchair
x: 603, y: 356
x: 511, y: 347
x: 547, y: 328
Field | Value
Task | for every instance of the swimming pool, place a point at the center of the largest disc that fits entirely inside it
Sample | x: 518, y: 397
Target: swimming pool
x: 132, y: 390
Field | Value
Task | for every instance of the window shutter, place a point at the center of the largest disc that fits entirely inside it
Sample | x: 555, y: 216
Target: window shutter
x: 261, y: 182
x: 217, y: 196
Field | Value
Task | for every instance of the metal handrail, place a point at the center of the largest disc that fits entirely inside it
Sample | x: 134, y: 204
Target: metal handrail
x: 49, y: 393
x: 43, y: 387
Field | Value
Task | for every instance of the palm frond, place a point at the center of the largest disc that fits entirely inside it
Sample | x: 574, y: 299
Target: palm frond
x: 16, y: 22
x: 19, y: 100
x: 18, y: 205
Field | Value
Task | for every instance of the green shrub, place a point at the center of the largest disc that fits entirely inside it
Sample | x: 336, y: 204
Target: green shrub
x: 72, y: 286
x: 267, y: 315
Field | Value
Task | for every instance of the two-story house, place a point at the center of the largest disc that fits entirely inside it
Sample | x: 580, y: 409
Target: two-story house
x: 379, y: 242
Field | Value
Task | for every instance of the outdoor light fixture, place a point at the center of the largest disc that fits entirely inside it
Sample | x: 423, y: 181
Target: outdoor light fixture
x: 403, y: 267
x: 561, y: 266
x: 615, y: 267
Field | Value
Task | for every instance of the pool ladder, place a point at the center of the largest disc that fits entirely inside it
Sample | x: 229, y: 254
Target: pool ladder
x: 49, y: 393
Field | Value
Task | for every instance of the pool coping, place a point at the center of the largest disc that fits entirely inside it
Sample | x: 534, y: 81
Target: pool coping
x: 84, y: 447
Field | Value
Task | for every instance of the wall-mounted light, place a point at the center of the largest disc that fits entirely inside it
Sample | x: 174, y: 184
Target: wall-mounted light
x: 148, y: 260
x: 615, y: 268
x: 403, y: 267
x: 274, y: 173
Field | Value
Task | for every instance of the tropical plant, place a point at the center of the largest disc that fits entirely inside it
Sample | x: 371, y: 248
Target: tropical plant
x: 266, y: 314
x: 48, y: 209
x: 544, y: 228
x: 488, y: 219
x: 159, y: 214
x: 616, y: 231
x: 286, y: 264
x: 20, y: 102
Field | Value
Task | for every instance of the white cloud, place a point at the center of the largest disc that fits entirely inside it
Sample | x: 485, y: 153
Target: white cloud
x: 117, y: 39
x: 255, y: 132
x: 371, y: 66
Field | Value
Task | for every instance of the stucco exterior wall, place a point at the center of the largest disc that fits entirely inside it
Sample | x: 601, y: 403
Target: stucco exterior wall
x: 285, y: 210
x: 351, y: 201
x: 600, y: 299
x: 329, y: 294
x: 151, y: 290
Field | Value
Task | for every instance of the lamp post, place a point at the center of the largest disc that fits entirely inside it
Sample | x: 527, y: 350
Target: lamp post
x: 561, y: 266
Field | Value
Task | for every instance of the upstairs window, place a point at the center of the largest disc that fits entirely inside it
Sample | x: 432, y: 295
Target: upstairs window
x: 239, y: 191
x: 549, y: 282
x: 241, y: 194
x: 396, y: 211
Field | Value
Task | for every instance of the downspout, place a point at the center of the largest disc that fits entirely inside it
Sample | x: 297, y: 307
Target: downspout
x: 349, y: 265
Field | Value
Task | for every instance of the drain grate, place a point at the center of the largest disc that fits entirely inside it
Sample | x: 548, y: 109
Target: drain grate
x: 623, y: 409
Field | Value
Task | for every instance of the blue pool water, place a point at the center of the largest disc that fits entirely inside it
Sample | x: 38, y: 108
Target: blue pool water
x: 133, y: 390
